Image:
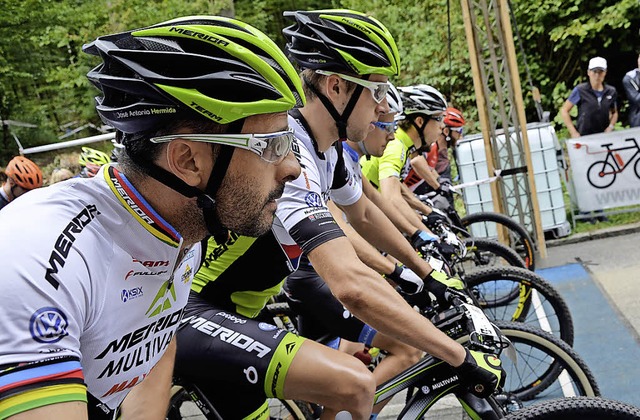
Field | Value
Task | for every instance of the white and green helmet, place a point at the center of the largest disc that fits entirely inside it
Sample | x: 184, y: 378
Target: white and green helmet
x: 342, y: 41
x: 213, y: 67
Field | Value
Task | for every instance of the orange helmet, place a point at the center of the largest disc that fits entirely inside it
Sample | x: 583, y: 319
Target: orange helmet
x: 453, y: 117
x: 24, y: 173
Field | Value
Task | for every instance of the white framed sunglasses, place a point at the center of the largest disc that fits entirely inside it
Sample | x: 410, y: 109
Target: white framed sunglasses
x: 387, y: 127
x: 271, y: 147
x: 378, y: 89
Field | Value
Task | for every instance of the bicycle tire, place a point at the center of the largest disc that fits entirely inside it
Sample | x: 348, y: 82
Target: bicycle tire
x: 202, y: 408
x: 549, y: 354
x: 519, y: 239
x: 507, y: 293
x: 577, y: 408
x: 486, y: 253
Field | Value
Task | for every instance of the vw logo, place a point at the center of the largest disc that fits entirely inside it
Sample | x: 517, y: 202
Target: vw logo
x: 48, y: 325
x: 313, y: 200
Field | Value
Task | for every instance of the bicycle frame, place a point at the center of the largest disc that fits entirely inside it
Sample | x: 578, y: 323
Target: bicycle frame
x: 434, y: 379
x: 611, y: 158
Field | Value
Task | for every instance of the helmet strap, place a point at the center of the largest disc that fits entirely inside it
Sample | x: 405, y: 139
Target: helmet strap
x: 340, y: 119
x: 364, y: 150
x: 420, y: 130
x: 205, y: 200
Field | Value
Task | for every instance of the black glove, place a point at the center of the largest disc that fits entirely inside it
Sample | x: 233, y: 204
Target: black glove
x: 435, y: 218
x: 408, y: 281
x: 480, y: 373
x: 438, y: 282
x: 420, y: 238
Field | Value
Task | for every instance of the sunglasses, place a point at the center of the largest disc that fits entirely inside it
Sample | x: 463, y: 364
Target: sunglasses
x: 438, y: 118
x: 378, y: 89
x: 272, y: 147
x: 387, y: 127
x: 458, y: 130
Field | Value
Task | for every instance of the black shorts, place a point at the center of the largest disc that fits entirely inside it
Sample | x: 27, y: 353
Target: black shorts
x: 232, y: 358
x: 320, y: 314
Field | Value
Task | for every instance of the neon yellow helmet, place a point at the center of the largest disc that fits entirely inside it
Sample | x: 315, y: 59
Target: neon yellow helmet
x: 341, y: 40
x: 199, y: 66
x: 90, y: 156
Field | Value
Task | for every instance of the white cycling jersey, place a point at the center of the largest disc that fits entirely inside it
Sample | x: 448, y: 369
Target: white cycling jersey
x: 302, y: 216
x: 94, y: 285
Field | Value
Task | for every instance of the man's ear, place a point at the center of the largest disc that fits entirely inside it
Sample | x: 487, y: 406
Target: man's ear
x: 333, y: 88
x: 188, y: 160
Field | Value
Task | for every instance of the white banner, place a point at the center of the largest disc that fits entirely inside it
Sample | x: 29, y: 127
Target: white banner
x: 605, y: 168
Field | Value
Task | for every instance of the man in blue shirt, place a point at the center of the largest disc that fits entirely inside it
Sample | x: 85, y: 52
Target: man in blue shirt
x: 596, y: 101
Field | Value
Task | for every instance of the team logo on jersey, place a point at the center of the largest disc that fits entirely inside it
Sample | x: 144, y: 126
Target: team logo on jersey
x: 163, y: 300
x: 48, y: 325
x: 130, y: 294
x: 266, y: 327
x: 313, y: 199
x: 186, y: 276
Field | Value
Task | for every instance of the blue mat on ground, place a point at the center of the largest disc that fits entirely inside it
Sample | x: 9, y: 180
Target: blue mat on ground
x: 602, y: 338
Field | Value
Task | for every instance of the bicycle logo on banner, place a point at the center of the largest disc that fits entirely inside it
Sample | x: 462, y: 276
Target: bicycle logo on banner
x: 601, y: 174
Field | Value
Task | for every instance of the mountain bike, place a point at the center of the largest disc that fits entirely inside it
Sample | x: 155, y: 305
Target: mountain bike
x: 602, y: 174
x: 514, y: 294
x: 505, y: 291
x: 468, y: 254
x: 487, y: 225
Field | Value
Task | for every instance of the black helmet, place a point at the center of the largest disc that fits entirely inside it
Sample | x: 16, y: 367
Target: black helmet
x: 341, y: 40
x: 207, y: 66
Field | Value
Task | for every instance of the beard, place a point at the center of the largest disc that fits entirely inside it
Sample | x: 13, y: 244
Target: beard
x: 239, y: 209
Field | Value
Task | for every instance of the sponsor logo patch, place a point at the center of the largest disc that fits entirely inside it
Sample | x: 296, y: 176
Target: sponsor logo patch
x: 48, y: 325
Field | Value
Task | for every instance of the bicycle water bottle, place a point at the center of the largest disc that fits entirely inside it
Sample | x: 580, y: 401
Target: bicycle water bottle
x: 619, y: 159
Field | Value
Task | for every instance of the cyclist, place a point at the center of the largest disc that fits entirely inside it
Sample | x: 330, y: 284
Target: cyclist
x: 91, y: 160
x: 95, y: 289
x: 374, y: 146
x: 452, y: 132
x: 320, y: 313
x: 22, y: 176
x: 303, y: 369
x: 423, y: 109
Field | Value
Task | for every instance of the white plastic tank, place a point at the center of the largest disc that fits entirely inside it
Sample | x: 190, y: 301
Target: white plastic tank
x: 545, y: 156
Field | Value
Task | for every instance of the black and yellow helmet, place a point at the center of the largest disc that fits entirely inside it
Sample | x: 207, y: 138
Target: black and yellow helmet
x: 208, y: 66
x: 341, y: 41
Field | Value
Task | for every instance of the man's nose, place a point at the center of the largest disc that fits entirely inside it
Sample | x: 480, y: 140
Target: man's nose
x: 289, y: 169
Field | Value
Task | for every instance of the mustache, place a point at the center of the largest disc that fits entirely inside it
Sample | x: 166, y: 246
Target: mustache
x: 277, y: 193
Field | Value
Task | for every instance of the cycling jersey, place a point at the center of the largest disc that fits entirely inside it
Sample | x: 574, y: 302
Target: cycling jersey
x: 95, y: 299
x: 394, y: 162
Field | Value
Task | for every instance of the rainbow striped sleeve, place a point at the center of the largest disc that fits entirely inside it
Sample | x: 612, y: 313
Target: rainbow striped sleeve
x: 31, y: 385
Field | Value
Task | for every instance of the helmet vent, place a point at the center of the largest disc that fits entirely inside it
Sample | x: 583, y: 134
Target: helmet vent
x: 160, y: 44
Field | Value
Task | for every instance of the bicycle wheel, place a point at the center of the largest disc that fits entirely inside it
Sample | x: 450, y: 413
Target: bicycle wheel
x: 546, y: 367
x: 520, y: 295
x: 601, y: 174
x: 578, y: 408
x: 486, y: 253
x: 486, y: 224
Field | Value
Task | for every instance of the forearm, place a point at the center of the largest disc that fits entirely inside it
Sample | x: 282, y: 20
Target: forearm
x: 375, y: 302
x: 150, y: 399
x: 422, y: 168
x: 377, y: 229
x: 415, y: 203
x: 391, y: 189
x: 397, y: 218
x: 365, y: 251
